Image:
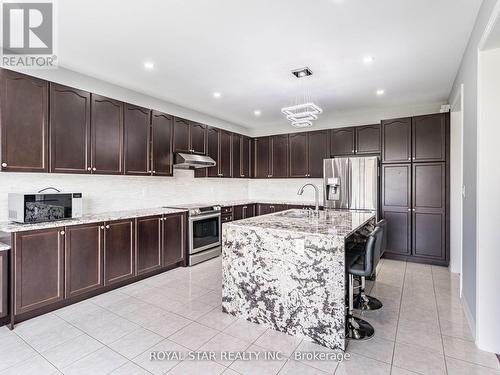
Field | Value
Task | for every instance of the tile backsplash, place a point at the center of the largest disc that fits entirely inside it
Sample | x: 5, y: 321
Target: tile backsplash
x: 115, y: 193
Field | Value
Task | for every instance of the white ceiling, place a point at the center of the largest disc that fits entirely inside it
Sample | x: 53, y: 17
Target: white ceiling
x: 246, y: 49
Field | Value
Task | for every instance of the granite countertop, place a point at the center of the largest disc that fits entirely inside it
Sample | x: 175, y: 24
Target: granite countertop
x: 338, y: 223
x: 10, y: 227
x: 4, y: 247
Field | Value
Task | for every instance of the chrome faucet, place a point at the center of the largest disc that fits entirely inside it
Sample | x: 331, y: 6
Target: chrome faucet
x: 316, y: 196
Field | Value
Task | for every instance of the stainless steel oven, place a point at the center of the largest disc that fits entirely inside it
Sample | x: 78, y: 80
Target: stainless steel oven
x: 204, y: 232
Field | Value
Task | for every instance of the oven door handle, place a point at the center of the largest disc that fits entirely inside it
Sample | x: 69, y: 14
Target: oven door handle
x: 202, y: 217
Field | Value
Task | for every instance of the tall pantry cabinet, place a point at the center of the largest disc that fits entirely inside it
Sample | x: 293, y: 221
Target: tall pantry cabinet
x: 415, y: 187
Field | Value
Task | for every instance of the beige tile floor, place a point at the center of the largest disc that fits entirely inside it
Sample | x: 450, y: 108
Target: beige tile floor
x: 421, y: 329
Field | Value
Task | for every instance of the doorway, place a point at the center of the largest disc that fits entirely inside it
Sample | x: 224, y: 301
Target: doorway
x: 456, y: 184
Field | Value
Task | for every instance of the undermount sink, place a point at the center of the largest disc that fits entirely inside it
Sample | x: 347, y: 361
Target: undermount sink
x: 296, y: 214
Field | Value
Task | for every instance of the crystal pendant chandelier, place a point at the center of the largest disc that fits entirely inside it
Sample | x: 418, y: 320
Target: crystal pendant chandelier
x: 304, y: 112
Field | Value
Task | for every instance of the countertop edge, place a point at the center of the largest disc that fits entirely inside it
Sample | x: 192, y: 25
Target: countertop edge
x: 11, y: 227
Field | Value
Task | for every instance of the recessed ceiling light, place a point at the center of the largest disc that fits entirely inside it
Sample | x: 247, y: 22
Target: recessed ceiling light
x: 217, y: 95
x: 149, y: 65
x: 380, y: 92
x: 257, y: 112
x: 303, y: 72
x: 368, y: 59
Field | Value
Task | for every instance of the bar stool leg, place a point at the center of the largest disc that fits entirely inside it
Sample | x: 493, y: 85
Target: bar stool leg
x: 357, y: 329
x: 364, y: 302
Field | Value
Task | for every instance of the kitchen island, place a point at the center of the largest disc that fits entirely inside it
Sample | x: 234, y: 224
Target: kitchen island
x: 287, y: 271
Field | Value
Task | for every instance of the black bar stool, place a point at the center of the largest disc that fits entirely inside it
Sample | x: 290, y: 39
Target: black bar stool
x: 363, y: 301
x: 359, y: 329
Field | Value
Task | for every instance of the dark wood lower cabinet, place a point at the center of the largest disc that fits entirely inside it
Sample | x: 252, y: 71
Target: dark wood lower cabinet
x: 266, y: 208
x: 414, y: 204
x: 56, y: 267
x: 429, y: 211
x: 39, y: 265
x: 243, y: 211
x: 4, y: 282
x: 119, y: 251
x: 84, y: 258
x: 174, y: 239
x: 396, y: 207
x: 148, y: 244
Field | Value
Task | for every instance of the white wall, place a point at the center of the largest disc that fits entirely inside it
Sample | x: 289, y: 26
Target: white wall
x: 115, y: 193
x: 488, y: 202
x: 284, y: 190
x: 467, y: 75
x: 80, y: 81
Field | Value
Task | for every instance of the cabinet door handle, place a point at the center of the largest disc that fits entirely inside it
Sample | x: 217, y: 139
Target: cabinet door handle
x: 409, y: 210
x: 4, y: 165
x: 62, y: 233
x: 409, y: 159
x: 89, y: 169
x: 154, y: 172
x: 102, y: 227
x: 94, y: 169
x: 107, y: 226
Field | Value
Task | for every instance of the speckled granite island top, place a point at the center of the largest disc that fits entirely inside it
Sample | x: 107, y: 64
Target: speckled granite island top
x: 287, y: 271
x: 9, y: 227
x: 4, y: 247
x: 330, y: 223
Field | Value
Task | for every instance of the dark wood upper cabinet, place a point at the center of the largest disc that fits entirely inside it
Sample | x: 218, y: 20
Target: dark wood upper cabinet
x: 246, y: 157
x: 429, y: 210
x: 136, y: 122
x: 225, y: 154
x: 213, y: 135
x: 161, y: 154
x: 69, y: 130
x: 237, y: 145
x: 298, y: 155
x: 107, y: 135
x: 39, y: 264
x: 396, y: 207
x: 368, y: 139
x: 182, y: 142
x: 241, y: 149
x: 429, y: 137
x: 84, y: 258
x: 198, y: 136
x: 119, y: 251
x: 218, y: 148
x: 317, y: 151
x: 24, y: 115
x: 174, y: 234
x: 190, y: 136
x: 149, y: 249
x: 262, y: 157
x: 342, y: 141
x: 279, y: 156
x: 396, y: 140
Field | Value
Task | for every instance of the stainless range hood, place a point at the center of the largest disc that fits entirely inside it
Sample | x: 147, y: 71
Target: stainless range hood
x: 190, y: 161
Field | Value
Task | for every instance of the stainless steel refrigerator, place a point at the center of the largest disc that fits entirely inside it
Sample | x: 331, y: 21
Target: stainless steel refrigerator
x: 351, y: 183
